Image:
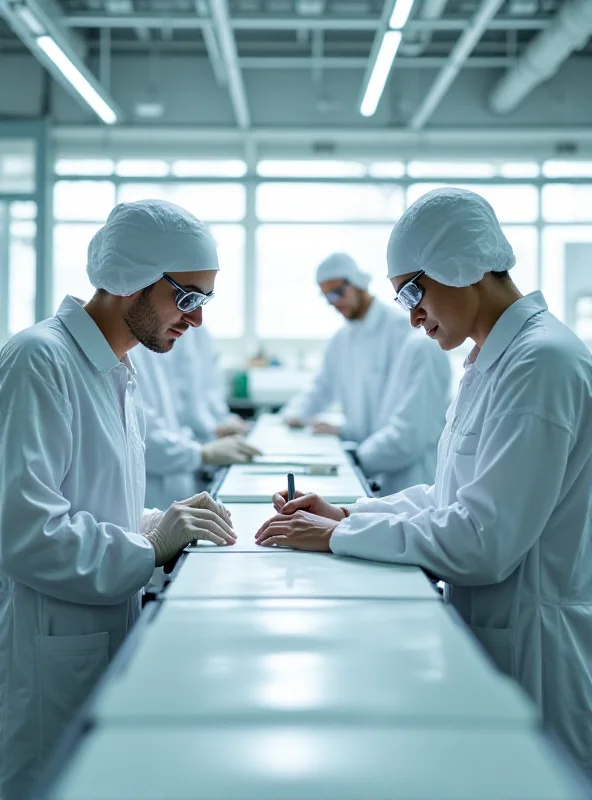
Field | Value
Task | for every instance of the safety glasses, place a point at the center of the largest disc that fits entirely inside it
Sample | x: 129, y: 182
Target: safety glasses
x: 336, y: 294
x: 410, y: 294
x: 188, y: 301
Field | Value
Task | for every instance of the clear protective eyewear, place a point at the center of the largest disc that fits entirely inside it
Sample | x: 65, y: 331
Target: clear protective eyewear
x: 410, y: 294
x: 336, y: 294
x: 188, y: 301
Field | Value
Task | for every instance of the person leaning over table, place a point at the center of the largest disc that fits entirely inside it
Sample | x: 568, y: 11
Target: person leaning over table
x: 76, y: 543
x: 507, y: 523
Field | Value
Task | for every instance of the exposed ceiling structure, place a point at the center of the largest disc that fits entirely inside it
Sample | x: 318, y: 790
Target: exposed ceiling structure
x: 526, y: 40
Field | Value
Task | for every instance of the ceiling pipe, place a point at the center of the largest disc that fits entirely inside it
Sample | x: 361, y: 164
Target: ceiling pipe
x: 544, y: 55
x: 456, y: 60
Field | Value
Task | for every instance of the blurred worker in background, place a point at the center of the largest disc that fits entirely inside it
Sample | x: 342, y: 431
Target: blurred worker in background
x: 200, y: 388
x: 390, y: 381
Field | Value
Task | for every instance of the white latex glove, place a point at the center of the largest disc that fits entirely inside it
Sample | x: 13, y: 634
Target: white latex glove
x: 198, y: 517
x: 230, y: 450
x: 231, y: 426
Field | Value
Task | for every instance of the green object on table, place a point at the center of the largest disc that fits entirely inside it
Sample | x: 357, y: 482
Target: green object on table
x: 240, y: 384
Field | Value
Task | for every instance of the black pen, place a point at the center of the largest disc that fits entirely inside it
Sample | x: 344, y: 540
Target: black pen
x: 291, y: 487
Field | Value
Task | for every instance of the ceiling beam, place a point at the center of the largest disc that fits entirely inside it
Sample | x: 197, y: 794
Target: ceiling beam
x: 294, y: 23
x: 225, y: 38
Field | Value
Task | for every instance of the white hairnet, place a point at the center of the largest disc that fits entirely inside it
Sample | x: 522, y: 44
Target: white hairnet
x: 453, y: 235
x: 340, y: 266
x: 141, y: 241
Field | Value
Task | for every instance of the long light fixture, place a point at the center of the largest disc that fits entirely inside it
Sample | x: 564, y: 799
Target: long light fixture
x: 73, y: 75
x: 386, y: 55
x: 382, y: 67
x: 400, y: 14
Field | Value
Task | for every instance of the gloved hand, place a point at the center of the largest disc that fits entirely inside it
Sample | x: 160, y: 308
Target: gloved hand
x: 230, y: 450
x: 231, y: 426
x: 198, y: 517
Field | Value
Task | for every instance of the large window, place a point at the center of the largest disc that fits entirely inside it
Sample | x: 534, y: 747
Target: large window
x: 288, y: 300
x: 275, y: 226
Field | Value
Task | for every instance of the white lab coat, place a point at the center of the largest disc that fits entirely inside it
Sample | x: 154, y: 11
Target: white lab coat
x: 72, y: 560
x: 173, y: 454
x: 508, y: 522
x: 392, y: 383
x: 199, y: 390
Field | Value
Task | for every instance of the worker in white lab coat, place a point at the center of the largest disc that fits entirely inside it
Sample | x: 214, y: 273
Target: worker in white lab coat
x: 199, y: 388
x: 174, y: 454
x: 391, y: 382
x: 507, y: 524
x: 76, y: 544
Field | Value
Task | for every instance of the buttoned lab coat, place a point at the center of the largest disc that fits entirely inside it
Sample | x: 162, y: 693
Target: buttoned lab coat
x: 392, y: 383
x: 173, y: 454
x: 508, y: 522
x: 72, y: 560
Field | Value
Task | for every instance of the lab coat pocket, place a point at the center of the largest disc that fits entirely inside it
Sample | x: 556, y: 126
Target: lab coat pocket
x: 466, y: 444
x: 499, y: 644
x: 68, y: 668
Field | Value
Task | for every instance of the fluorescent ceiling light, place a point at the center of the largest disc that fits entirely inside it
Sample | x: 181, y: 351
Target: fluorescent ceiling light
x: 226, y: 168
x: 400, y: 14
x: 30, y: 20
x: 142, y: 168
x: 520, y: 169
x: 450, y: 169
x: 274, y: 168
x: 382, y: 67
x: 77, y: 79
x: 567, y: 169
x: 387, y: 169
x: 84, y: 166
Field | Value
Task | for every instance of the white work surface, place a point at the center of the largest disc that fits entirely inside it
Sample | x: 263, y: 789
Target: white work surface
x: 247, y: 518
x: 313, y: 763
x: 273, y: 437
x: 305, y: 575
x: 312, y: 662
x: 242, y: 485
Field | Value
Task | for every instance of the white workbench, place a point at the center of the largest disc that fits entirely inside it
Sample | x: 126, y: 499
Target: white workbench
x: 250, y: 485
x: 234, y: 762
x: 247, y: 518
x: 289, y: 575
x: 317, y: 662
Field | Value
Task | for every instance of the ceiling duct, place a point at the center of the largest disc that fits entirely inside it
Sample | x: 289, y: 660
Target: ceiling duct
x: 543, y: 56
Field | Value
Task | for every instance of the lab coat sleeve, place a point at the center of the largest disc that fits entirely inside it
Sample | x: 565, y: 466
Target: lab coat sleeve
x: 410, y: 501
x: 322, y: 393
x: 498, y: 516
x: 44, y: 544
x: 168, y: 451
x: 419, y: 380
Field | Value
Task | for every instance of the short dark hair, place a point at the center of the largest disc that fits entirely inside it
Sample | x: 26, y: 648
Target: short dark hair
x: 501, y: 276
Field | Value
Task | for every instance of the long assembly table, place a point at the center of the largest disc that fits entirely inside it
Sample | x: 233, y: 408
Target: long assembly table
x: 266, y: 673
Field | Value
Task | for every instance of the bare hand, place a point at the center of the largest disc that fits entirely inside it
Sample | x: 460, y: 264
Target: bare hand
x: 300, y: 531
x: 326, y: 429
x: 294, y: 422
x: 306, y: 502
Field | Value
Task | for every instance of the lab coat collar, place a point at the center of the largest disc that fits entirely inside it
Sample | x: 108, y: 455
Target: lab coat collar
x: 507, y: 328
x: 87, y: 335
